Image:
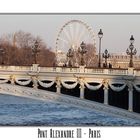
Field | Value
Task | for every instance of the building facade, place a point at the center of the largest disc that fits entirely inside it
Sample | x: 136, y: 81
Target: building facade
x: 122, y: 61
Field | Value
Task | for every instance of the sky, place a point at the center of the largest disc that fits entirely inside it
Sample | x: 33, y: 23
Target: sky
x: 117, y: 29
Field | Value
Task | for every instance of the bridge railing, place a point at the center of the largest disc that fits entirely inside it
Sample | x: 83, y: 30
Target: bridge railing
x: 58, y: 69
x: 82, y: 69
x: 15, y: 68
x: 46, y: 69
x: 118, y: 71
x: 137, y: 72
x: 94, y: 70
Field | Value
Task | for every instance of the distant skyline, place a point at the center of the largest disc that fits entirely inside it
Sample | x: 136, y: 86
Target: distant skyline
x: 117, y: 29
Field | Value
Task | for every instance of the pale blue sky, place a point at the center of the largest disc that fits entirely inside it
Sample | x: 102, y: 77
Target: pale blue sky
x: 117, y: 29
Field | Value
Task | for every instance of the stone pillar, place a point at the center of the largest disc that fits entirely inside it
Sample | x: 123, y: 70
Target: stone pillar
x: 35, y: 82
x: 58, y: 86
x: 12, y: 79
x: 82, y: 69
x: 82, y: 92
x: 130, y: 71
x: 35, y: 67
x: 105, y: 83
x: 130, y: 96
x: 130, y: 107
x: 105, y: 95
x: 82, y: 89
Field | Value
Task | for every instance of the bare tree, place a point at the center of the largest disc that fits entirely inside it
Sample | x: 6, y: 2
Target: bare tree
x: 90, y: 56
x: 18, y: 49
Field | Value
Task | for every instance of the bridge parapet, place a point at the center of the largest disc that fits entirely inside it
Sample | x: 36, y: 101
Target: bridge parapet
x: 94, y: 70
x: 83, y: 70
x: 15, y: 68
x: 118, y: 71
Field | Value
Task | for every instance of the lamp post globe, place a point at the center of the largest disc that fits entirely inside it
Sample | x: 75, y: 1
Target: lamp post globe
x: 100, y: 33
x: 132, y: 39
x: 82, y: 45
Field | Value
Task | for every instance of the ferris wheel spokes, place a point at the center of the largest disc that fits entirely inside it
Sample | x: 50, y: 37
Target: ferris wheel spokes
x: 64, y: 40
x: 67, y: 35
x: 80, y: 37
x: 71, y: 35
x: 77, y: 34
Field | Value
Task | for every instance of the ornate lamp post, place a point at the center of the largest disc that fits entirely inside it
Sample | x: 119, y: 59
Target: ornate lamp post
x: 131, y: 51
x: 82, y: 51
x: 106, y: 55
x: 70, y: 55
x: 35, y: 51
x: 100, y: 35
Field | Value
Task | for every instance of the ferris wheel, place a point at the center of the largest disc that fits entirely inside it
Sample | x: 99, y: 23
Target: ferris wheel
x: 71, y: 35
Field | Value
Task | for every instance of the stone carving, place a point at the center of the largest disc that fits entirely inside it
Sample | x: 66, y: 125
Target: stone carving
x: 23, y: 83
x: 92, y: 87
x: 58, y: 82
x: 69, y: 86
x: 105, y: 83
x: 46, y: 85
x: 117, y: 89
x: 136, y: 87
x: 35, y: 81
x: 12, y: 79
x: 4, y: 81
x: 130, y: 85
x: 81, y: 82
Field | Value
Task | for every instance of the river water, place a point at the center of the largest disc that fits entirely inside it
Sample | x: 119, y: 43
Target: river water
x: 19, y: 111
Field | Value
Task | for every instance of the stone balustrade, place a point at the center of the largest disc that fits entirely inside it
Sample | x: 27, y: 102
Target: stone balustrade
x: 15, y: 68
x: 37, y: 68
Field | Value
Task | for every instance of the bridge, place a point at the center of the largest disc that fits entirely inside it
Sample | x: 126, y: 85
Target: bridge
x: 34, y: 81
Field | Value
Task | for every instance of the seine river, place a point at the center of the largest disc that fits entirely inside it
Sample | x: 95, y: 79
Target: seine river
x: 17, y: 111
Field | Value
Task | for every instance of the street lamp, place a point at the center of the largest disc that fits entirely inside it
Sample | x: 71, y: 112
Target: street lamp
x: 106, y: 55
x: 82, y: 51
x: 35, y: 51
x: 100, y: 35
x: 131, y: 51
x: 70, y: 55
